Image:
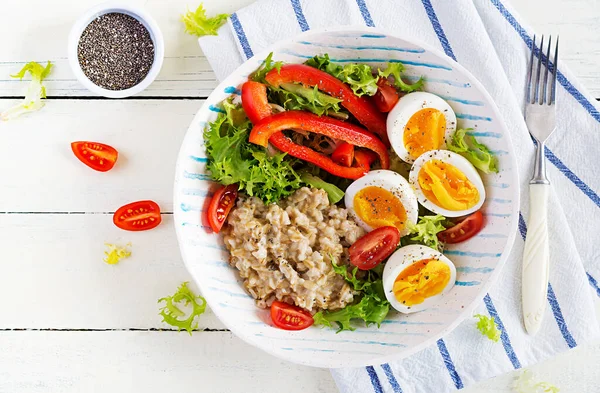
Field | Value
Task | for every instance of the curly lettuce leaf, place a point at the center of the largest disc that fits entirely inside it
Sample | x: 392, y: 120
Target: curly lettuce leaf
x: 114, y: 254
x: 292, y: 96
x: 372, y: 307
x: 487, y: 326
x: 362, y: 78
x: 334, y: 194
x: 174, y: 316
x: 525, y: 384
x: 35, y: 91
x: 198, y: 24
x: 477, y: 153
x: 396, y: 70
x: 369, y: 309
x: 232, y: 159
x: 425, y: 232
x: 267, y: 65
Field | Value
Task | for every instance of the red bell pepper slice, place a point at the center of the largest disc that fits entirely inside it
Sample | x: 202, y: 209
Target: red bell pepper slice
x: 364, y: 111
x: 254, y: 101
x: 365, y: 158
x: 324, y: 125
x: 307, y: 154
x: 343, y: 154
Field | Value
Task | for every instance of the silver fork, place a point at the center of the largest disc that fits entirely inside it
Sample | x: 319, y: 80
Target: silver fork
x: 540, y: 116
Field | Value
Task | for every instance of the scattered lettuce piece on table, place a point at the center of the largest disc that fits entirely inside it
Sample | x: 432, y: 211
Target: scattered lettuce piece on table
x: 267, y: 65
x: 396, y: 70
x: 334, y: 194
x: 425, y: 232
x: 292, y: 96
x: 372, y: 307
x: 525, y: 384
x: 174, y: 316
x: 232, y: 159
x: 487, y: 326
x: 198, y: 24
x: 477, y: 153
x: 35, y: 91
x: 114, y: 254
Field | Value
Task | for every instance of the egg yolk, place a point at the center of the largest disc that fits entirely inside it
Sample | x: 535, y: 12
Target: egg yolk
x: 422, y: 279
x: 378, y: 207
x: 447, y: 186
x: 424, y: 131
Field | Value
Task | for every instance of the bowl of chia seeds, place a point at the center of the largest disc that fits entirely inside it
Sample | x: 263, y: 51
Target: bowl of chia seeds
x: 116, y: 50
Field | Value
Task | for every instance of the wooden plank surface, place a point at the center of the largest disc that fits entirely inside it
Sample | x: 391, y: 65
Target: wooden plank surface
x: 53, y: 276
x: 186, y: 71
x: 44, y: 176
x: 125, y: 362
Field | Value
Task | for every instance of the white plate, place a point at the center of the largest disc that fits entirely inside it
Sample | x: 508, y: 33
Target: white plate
x: 478, y: 261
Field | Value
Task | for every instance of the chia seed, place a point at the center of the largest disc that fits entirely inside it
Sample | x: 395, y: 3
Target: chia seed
x: 115, y: 51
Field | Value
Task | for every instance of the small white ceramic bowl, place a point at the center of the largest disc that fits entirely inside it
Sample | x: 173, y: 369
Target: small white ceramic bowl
x: 135, y: 12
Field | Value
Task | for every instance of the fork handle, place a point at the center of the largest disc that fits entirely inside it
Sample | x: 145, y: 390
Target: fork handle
x: 536, y: 257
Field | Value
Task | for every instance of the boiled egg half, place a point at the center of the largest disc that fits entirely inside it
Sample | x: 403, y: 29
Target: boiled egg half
x: 382, y: 198
x: 418, y: 123
x: 447, y: 183
x: 416, y: 276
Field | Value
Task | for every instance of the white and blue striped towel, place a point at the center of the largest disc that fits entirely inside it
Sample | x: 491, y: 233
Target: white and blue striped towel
x: 489, y: 39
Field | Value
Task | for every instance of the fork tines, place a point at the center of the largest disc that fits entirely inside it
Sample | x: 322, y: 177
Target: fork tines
x: 534, y: 76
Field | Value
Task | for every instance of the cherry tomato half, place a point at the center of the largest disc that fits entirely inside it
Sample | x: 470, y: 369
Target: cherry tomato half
x: 374, y: 247
x: 464, y: 230
x: 98, y: 156
x: 288, y: 317
x: 220, y: 205
x: 343, y: 154
x: 386, y: 97
x: 138, y: 216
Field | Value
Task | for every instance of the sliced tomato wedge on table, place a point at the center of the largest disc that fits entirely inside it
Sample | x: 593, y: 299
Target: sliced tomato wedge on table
x: 220, y: 205
x: 464, y: 230
x: 98, y: 156
x: 386, y: 97
x: 138, y: 216
x: 288, y: 317
x: 374, y: 247
x: 364, y: 111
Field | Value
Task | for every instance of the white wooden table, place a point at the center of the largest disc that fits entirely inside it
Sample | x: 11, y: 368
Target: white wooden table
x: 71, y: 323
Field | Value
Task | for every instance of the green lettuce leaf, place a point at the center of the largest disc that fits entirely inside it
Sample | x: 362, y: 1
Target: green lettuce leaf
x: 174, y: 316
x: 198, y: 24
x: 267, y: 65
x: 297, y: 97
x: 477, y: 153
x: 35, y: 91
x: 361, y: 77
x: 372, y: 307
x: 487, y: 326
x: 425, y: 232
x: 232, y: 159
x: 525, y: 384
x: 396, y: 70
x: 115, y: 253
x: 334, y: 194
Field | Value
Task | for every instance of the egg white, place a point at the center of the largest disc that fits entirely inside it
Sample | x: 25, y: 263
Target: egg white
x: 391, y: 181
x: 405, y: 257
x: 406, y: 107
x: 459, y: 162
